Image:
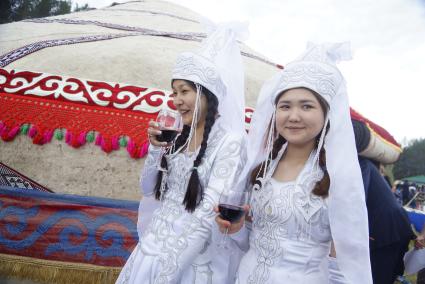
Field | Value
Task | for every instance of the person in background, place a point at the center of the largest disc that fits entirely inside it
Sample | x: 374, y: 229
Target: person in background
x: 389, y: 226
x: 384, y: 175
x: 405, y: 193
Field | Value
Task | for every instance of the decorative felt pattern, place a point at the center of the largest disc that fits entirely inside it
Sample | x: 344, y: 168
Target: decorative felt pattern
x: 11, y: 178
x: 44, y: 106
x: 67, y: 228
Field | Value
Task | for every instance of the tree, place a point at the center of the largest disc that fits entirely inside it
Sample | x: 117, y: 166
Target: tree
x: 412, y: 160
x: 17, y: 10
x: 5, y: 11
x: 85, y: 7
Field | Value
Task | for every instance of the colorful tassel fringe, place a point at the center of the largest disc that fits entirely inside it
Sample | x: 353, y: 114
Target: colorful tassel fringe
x: 41, y: 137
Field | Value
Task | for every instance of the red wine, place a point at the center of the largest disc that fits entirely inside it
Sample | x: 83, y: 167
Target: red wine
x: 167, y: 135
x: 230, y: 213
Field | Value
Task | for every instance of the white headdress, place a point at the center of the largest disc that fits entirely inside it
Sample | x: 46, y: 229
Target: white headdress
x: 316, y: 70
x: 217, y: 66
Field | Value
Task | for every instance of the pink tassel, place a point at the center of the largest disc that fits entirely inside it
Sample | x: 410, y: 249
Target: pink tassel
x: 144, y: 150
x: 32, y: 132
x: 115, y: 143
x: 82, y: 138
x: 68, y: 137
x: 48, y: 135
x: 98, y: 140
x: 13, y: 132
x: 131, y: 148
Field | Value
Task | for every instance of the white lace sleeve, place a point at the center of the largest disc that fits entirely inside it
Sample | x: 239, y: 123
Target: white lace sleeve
x: 150, y: 171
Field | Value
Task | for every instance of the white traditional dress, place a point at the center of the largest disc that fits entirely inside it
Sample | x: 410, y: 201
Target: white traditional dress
x: 292, y: 228
x: 290, y: 238
x: 175, y: 246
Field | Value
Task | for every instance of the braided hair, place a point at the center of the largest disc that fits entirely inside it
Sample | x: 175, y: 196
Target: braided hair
x: 321, y: 188
x: 195, y: 191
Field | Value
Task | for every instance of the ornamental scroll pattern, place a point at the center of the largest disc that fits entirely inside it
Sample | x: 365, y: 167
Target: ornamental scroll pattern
x: 84, y: 92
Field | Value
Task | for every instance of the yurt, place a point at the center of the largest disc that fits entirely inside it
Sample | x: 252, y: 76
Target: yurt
x: 76, y: 94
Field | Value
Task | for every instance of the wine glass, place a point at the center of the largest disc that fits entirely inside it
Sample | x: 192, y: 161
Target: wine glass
x: 170, y: 123
x: 231, y: 209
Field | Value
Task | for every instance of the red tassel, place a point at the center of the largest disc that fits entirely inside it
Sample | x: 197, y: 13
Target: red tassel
x: 2, y: 127
x: 5, y: 134
x: 106, y: 145
x: 74, y: 141
x: 38, y: 139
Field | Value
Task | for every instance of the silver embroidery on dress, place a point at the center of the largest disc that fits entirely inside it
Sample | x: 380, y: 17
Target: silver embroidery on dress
x: 285, y: 211
x: 172, y: 239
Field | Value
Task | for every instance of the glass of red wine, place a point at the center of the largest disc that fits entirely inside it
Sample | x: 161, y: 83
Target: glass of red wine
x: 231, y: 209
x: 170, y: 123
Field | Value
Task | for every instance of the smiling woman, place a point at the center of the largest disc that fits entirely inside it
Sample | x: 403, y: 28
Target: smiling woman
x: 184, y: 98
x: 300, y: 116
x: 305, y: 176
x: 202, y: 163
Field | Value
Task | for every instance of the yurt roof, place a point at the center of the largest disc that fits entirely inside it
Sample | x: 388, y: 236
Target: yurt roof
x: 134, y: 43
x: 138, y: 57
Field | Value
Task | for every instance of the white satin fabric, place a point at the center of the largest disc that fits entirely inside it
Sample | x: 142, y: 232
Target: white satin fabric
x: 290, y: 237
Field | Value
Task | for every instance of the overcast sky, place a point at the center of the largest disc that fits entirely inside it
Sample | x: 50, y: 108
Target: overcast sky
x: 386, y: 78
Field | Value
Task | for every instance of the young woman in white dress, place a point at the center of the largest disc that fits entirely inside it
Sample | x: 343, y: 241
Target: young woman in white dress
x: 175, y: 243
x: 307, y: 188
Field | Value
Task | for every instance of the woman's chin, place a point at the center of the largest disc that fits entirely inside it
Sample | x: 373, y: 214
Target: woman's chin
x: 187, y: 122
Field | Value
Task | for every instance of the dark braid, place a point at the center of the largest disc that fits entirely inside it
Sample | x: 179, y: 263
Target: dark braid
x: 322, y: 186
x: 277, y: 145
x: 195, y: 191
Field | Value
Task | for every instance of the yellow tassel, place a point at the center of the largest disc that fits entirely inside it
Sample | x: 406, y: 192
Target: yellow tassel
x: 55, y: 272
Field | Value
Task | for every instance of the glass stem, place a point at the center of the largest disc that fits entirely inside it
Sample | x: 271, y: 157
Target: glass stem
x: 223, y: 242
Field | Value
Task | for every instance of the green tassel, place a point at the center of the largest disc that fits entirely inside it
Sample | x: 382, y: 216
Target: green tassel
x: 123, y: 141
x: 58, y: 134
x: 90, y: 136
x: 24, y: 128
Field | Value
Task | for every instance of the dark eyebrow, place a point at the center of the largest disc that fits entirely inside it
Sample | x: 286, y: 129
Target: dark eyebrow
x: 301, y: 101
x: 181, y: 85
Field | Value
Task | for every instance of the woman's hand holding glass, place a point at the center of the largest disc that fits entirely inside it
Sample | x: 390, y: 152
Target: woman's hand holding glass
x: 164, y: 130
x: 231, y: 228
x: 153, y: 132
x: 232, y: 208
